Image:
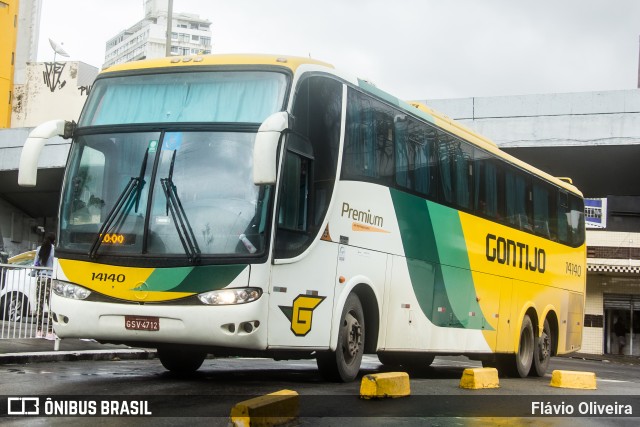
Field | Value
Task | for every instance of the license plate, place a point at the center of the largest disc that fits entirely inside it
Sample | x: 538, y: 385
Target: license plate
x: 142, y: 323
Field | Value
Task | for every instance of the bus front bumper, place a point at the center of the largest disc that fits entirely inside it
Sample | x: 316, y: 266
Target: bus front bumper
x: 242, y: 326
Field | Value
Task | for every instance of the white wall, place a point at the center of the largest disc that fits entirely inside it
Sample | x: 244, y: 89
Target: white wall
x: 50, y: 94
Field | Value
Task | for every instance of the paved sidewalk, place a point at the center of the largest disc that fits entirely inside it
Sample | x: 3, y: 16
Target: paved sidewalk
x: 606, y: 358
x: 17, y: 351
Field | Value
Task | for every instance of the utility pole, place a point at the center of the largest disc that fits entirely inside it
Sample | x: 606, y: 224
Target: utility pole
x: 169, y: 26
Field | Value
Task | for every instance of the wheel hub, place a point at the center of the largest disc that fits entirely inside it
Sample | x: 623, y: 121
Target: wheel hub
x: 354, y: 335
x: 545, y: 346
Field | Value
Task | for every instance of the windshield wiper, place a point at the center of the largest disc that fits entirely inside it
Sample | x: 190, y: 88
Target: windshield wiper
x: 180, y: 220
x: 130, y: 194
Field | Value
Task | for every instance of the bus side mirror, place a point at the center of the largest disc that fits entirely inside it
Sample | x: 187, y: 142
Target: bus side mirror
x: 265, y: 150
x: 28, y: 171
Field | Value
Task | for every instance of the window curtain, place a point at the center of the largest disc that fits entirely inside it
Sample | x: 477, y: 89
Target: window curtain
x: 247, y: 101
x: 541, y: 210
x: 491, y: 190
x: 422, y: 175
x: 446, y: 184
x: 403, y: 163
x: 462, y: 179
x: 486, y: 199
x: 510, y: 197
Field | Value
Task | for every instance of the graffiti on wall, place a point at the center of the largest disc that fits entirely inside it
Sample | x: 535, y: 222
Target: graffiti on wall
x: 84, y: 90
x: 53, y: 74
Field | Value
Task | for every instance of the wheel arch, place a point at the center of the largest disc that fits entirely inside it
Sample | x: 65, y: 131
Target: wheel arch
x: 362, y: 287
x: 371, y: 310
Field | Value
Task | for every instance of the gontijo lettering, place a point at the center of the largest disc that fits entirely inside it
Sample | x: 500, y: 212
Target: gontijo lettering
x: 516, y: 254
x: 361, y: 216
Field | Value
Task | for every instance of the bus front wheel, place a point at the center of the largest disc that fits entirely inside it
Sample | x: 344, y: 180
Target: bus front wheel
x: 181, y: 361
x: 343, y: 364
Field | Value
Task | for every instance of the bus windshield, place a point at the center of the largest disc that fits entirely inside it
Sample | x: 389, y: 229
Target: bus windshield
x: 201, y: 200
x: 177, y: 191
x: 201, y: 97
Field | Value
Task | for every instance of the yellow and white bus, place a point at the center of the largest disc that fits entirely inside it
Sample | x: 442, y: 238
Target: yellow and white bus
x: 273, y: 206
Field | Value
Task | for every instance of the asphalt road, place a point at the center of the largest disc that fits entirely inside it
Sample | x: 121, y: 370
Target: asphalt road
x: 206, y: 397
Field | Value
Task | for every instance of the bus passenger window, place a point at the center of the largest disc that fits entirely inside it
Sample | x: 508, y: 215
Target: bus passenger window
x: 456, y: 171
x: 517, y: 196
x: 541, y: 211
x: 369, y: 140
x: 414, y: 149
x: 486, y: 191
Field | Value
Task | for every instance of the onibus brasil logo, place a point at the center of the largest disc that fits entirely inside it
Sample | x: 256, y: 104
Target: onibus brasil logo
x: 301, y: 313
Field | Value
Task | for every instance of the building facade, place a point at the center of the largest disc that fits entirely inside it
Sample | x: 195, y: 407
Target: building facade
x: 52, y: 90
x: 146, y: 39
x: 19, y: 23
x: 9, y: 25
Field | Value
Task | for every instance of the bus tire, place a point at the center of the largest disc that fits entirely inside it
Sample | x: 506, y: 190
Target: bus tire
x: 523, y: 359
x: 181, y: 361
x: 542, y: 351
x: 343, y: 364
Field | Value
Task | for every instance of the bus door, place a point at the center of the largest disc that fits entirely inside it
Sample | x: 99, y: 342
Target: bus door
x: 301, y: 298
x: 303, y: 276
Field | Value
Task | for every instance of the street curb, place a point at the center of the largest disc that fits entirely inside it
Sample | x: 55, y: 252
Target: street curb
x: 66, y: 356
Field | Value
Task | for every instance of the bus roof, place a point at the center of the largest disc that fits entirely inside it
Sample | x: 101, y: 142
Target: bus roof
x: 290, y: 62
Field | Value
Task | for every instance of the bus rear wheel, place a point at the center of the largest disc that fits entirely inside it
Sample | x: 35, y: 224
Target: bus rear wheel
x: 520, y: 363
x: 181, y: 361
x: 542, y: 351
x: 343, y: 364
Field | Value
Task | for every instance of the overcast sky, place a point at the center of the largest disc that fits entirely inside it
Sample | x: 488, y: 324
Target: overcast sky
x: 415, y: 49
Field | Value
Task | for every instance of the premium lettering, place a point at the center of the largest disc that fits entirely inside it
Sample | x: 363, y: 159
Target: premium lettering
x: 361, y: 216
x: 515, y: 254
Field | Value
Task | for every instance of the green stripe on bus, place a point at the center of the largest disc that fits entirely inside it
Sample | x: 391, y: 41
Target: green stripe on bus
x: 423, y: 262
x: 457, y: 277
x: 193, y: 279
x: 166, y: 279
x: 430, y: 234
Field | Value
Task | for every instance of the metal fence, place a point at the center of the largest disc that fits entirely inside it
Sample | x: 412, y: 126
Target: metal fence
x: 25, y: 295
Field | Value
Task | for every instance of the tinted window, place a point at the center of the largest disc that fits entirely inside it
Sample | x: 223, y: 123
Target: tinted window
x: 310, y: 164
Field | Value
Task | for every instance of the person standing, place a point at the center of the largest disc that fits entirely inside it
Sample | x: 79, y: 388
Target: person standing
x: 44, y: 258
x: 621, y: 334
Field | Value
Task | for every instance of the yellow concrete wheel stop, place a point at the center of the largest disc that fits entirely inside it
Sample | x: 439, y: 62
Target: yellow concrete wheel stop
x: 573, y: 379
x: 272, y: 409
x: 479, y: 378
x: 387, y: 384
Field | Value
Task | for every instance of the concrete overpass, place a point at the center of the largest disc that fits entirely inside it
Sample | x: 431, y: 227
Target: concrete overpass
x: 42, y: 200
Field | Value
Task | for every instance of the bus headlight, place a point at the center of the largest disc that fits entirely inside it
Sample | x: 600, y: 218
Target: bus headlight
x: 69, y: 290
x: 230, y: 296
